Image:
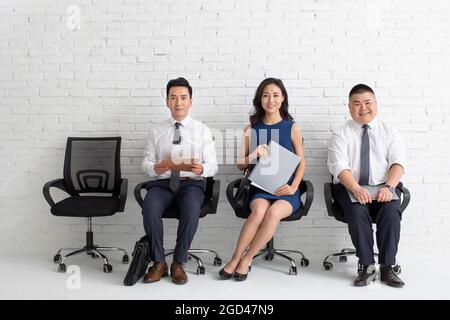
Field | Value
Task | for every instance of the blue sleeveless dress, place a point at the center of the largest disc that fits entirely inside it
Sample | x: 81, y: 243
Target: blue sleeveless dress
x: 281, y: 133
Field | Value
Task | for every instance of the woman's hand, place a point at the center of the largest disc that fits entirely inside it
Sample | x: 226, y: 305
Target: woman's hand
x: 260, y: 151
x: 285, y: 190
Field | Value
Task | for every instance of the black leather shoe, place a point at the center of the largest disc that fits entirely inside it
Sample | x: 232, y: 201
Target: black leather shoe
x: 240, y: 276
x: 390, y: 277
x: 223, y: 275
x: 365, y: 275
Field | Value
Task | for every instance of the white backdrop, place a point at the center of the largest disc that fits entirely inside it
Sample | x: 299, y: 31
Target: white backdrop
x: 99, y: 68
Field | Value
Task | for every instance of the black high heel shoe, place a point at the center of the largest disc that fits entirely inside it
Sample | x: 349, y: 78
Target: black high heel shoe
x: 240, y: 276
x: 223, y: 275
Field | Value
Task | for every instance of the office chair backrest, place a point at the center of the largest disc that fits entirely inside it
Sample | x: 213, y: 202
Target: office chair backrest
x: 92, y: 165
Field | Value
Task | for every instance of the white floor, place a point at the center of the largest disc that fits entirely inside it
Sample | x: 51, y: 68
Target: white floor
x: 34, y: 276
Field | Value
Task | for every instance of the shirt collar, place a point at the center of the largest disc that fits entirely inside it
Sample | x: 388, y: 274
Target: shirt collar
x: 184, y: 122
x: 371, y: 124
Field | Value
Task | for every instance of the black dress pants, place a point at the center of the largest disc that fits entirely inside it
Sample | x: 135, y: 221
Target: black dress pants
x: 188, y: 198
x: 386, y: 216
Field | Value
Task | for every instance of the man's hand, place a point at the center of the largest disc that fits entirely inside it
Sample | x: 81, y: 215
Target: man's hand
x: 384, y: 195
x: 362, y: 195
x: 197, y: 168
x: 285, y: 190
x: 160, y: 169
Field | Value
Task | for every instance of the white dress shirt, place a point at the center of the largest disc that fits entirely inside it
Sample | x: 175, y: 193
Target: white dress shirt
x: 386, y: 149
x: 196, y: 143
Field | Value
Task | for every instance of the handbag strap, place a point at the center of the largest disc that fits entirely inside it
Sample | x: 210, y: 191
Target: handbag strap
x: 247, y: 171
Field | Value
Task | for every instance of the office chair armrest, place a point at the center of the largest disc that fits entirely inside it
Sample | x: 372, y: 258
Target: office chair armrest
x: 123, y: 194
x: 57, y: 183
x: 328, y: 198
x: 406, y: 196
x: 308, y: 188
x: 215, y: 196
x: 209, y: 184
x: 231, y: 186
x: 137, y: 193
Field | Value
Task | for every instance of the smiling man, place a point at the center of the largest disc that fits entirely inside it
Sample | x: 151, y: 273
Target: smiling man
x: 180, y: 137
x: 365, y: 151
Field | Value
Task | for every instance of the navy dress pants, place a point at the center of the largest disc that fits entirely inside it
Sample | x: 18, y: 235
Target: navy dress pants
x: 386, y: 216
x: 188, y: 198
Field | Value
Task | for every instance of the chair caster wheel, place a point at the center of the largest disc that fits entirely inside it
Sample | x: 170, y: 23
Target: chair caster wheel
x: 62, y: 268
x: 217, y: 261
x: 57, y: 258
x: 304, y: 262
x: 342, y: 259
x: 200, y: 270
x: 328, y: 265
x: 293, y: 270
x: 269, y: 257
x: 125, y: 259
x: 107, y: 268
x: 397, y: 269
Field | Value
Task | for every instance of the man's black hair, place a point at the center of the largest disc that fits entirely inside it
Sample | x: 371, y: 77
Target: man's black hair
x: 179, y: 82
x: 360, y: 88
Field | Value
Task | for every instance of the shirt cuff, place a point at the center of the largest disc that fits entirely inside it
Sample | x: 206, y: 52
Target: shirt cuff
x: 209, y: 170
x: 150, y: 171
x: 401, y: 162
x: 337, y: 169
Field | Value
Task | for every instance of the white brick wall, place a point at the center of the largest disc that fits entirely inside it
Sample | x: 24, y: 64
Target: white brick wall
x: 108, y: 78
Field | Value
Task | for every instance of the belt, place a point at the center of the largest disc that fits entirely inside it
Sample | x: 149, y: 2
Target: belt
x: 184, y: 178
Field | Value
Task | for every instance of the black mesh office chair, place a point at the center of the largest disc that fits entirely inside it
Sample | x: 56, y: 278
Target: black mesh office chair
x: 209, y: 206
x: 92, y: 178
x: 307, y: 189
x: 334, y: 210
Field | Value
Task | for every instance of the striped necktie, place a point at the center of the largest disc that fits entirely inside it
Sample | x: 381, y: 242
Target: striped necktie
x: 365, y: 157
x: 174, y: 181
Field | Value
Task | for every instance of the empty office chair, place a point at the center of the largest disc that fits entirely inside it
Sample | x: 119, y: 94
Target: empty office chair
x: 209, y: 206
x: 307, y: 189
x: 92, y: 179
x: 334, y: 210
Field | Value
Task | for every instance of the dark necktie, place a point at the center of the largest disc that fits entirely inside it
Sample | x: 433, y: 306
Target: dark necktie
x: 174, y: 181
x: 365, y: 158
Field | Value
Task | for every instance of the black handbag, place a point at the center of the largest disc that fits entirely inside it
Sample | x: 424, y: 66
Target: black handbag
x: 139, y: 262
x: 242, y: 195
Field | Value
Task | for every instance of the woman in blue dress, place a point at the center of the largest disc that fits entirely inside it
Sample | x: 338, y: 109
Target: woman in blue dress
x: 269, y: 120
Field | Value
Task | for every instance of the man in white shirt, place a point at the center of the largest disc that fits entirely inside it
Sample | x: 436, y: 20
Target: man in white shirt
x: 365, y: 151
x: 178, y: 138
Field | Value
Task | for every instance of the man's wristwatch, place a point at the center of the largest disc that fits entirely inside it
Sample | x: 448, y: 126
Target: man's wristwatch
x: 391, y: 188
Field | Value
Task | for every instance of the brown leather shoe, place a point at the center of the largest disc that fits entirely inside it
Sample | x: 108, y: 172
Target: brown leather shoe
x: 177, y: 273
x: 365, y: 275
x: 156, y: 272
